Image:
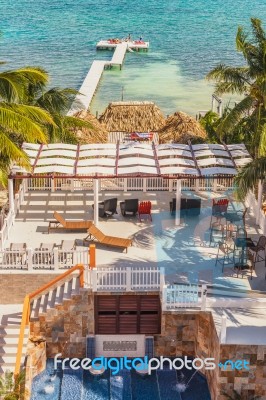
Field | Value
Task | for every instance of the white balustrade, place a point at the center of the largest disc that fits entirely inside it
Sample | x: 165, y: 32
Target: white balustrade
x: 126, y: 278
x: 39, y: 259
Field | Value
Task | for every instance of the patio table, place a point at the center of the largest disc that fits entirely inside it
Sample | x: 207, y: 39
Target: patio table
x: 243, y: 244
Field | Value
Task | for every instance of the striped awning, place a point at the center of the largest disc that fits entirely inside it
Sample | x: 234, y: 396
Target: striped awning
x: 135, y: 159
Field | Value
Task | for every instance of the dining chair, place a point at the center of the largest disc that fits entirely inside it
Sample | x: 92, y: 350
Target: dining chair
x: 227, y: 255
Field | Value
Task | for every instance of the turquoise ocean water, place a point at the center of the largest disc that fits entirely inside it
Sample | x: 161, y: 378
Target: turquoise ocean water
x: 188, y: 37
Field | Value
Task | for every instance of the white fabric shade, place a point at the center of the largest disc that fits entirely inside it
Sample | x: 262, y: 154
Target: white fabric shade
x: 136, y: 158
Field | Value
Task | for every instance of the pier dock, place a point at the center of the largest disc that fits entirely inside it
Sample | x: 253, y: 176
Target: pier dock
x: 119, y: 54
x: 88, y: 87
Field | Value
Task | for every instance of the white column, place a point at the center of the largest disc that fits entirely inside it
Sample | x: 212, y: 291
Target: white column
x: 96, y: 201
x: 223, y: 330
x: 170, y: 185
x: 260, y: 187
x: 11, y: 195
x: 178, y: 201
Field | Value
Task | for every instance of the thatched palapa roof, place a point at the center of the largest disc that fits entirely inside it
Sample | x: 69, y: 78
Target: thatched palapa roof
x: 132, y: 116
x: 180, y: 128
x: 96, y: 134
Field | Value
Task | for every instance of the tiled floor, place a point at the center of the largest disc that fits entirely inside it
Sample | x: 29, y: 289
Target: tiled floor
x: 183, y: 251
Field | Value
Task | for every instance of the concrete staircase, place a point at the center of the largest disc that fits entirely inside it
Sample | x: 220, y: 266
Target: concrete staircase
x: 10, y: 322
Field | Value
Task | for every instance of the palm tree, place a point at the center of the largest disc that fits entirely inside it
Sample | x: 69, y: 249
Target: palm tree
x: 20, y: 122
x: 249, y: 81
x: 12, y: 389
x: 249, y: 175
x: 57, y: 102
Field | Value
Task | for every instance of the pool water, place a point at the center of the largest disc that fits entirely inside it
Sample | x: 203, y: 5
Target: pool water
x: 126, y: 385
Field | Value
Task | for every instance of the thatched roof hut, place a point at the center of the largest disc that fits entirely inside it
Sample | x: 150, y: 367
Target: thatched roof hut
x: 180, y: 128
x: 96, y: 134
x: 132, y: 116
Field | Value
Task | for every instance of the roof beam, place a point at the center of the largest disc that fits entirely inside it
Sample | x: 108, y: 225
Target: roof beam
x: 230, y: 154
x: 156, y: 159
x: 37, y: 157
x: 77, y: 159
x: 194, y: 157
x: 117, y: 157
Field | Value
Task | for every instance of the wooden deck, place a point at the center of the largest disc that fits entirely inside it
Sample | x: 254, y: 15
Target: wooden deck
x: 119, y: 54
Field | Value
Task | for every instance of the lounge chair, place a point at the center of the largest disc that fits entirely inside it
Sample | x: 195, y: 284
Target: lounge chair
x: 61, y: 223
x: 113, y: 241
x: 129, y: 206
x: 107, y: 208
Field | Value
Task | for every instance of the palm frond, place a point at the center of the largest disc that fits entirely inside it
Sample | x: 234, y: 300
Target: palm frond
x: 57, y: 100
x: 249, y: 175
x: 234, y: 116
x: 21, y: 125
x: 74, y: 122
x: 236, y: 77
x: 14, y: 83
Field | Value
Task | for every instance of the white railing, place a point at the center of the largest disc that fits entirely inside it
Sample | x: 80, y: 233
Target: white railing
x: 184, y: 296
x: 29, y: 259
x: 130, y: 184
x: 10, y: 217
x: 126, y: 279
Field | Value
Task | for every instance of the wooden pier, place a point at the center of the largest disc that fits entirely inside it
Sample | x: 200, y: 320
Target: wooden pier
x: 119, y: 54
x: 88, y: 88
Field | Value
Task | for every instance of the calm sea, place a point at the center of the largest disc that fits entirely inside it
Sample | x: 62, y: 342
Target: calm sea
x: 188, y: 37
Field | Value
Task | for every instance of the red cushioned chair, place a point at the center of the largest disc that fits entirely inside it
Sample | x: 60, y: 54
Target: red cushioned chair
x: 144, y: 209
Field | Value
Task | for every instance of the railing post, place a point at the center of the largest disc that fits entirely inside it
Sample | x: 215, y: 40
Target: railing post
x: 203, y: 297
x: 128, y: 279
x: 162, y: 279
x: 144, y: 185
x: 164, y: 298
x: 52, y: 185
x: 29, y: 255
x: 125, y: 184
x: 170, y: 185
x: 94, y: 279
x: 215, y: 185
x: 223, y: 330
x: 196, y: 185
x: 72, y: 185
x: 92, y: 256
x: 81, y: 276
x: 56, y: 258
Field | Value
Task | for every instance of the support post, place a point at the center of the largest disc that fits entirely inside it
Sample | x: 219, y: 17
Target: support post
x: 178, y: 201
x: 223, y: 330
x: 144, y: 185
x: 96, y: 201
x: 203, y: 297
x: 92, y: 254
x: 56, y: 258
x: 52, y: 185
x: 11, y: 195
x: 72, y: 185
x: 29, y: 259
x: 125, y: 184
x: 170, y: 185
x: 260, y: 187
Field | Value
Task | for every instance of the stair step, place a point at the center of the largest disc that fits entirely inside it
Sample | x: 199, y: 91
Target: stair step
x: 11, y: 340
x: 11, y: 331
x: 11, y: 350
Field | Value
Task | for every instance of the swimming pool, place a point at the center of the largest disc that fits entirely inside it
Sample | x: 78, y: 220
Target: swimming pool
x: 163, y: 384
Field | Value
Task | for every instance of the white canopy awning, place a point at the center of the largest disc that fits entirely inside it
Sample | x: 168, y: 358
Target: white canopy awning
x: 134, y: 159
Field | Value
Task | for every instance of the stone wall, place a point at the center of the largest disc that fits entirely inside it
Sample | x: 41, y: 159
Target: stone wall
x: 36, y: 363
x: 66, y: 326
x: 250, y: 383
x: 14, y: 287
x: 190, y: 333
